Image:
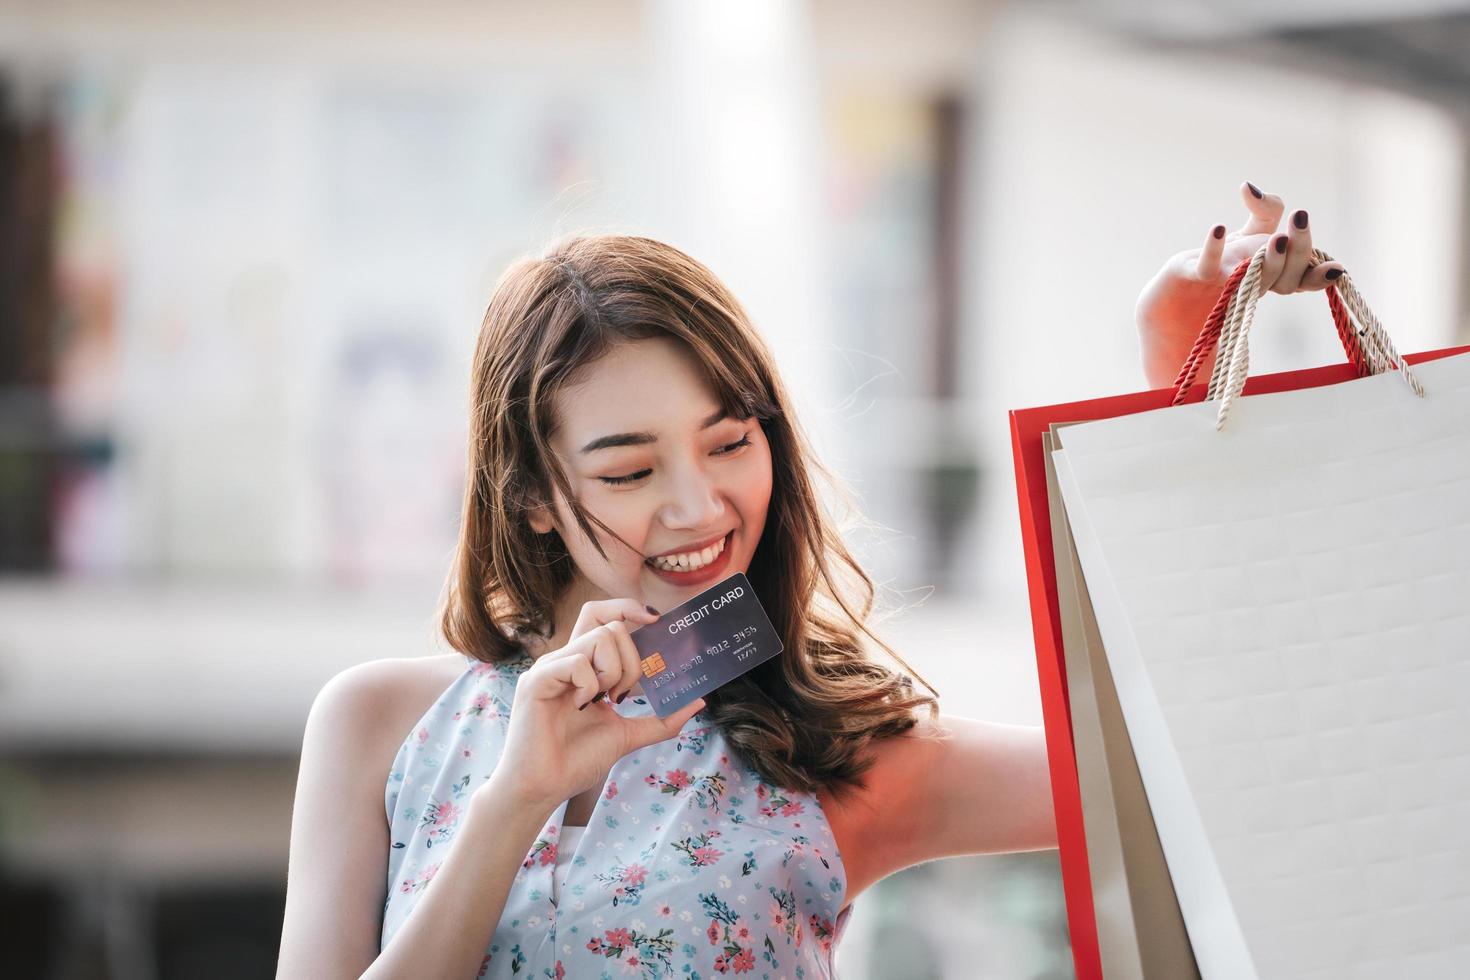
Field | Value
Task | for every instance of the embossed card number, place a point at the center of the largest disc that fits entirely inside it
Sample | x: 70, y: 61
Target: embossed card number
x: 704, y: 643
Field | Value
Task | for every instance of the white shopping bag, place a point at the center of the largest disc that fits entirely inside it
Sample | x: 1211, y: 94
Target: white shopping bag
x: 1284, y: 602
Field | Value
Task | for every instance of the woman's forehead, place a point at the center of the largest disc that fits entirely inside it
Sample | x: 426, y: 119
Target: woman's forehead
x: 643, y: 385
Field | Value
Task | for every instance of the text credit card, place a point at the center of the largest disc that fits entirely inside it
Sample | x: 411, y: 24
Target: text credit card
x: 704, y: 643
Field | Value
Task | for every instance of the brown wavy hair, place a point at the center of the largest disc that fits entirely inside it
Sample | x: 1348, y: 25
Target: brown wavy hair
x: 801, y: 720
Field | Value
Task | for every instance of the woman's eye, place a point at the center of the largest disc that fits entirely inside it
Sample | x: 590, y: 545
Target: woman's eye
x: 744, y: 441
x: 629, y: 478
x: 724, y: 450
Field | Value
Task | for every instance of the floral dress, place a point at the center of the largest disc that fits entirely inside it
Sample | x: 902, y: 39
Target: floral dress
x: 691, y: 866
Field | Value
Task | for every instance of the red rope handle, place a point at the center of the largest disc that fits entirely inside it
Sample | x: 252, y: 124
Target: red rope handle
x: 1345, y: 333
x: 1209, y: 334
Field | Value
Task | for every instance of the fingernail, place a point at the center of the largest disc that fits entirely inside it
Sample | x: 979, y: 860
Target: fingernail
x: 621, y: 696
x: 583, y: 707
x: 1299, y: 219
x: 1254, y: 189
x: 1281, y: 244
x: 1219, y: 231
x: 1333, y: 273
x: 651, y: 611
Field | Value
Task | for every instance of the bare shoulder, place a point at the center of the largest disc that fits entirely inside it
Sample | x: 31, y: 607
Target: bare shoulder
x: 384, y: 698
x: 337, y: 868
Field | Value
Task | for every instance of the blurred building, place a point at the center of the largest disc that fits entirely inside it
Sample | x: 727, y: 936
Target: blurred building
x: 246, y: 250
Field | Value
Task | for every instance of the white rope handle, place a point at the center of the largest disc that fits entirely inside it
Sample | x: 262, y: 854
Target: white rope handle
x: 1232, y: 356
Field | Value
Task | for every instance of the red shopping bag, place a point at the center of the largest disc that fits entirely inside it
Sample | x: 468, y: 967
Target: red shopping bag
x: 1367, y: 351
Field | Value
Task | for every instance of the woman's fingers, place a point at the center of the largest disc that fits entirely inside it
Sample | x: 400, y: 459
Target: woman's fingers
x: 1274, y: 262
x: 556, y: 677
x: 647, y: 729
x: 1298, y: 254
x: 1208, y: 267
x: 1265, y: 210
x: 628, y: 657
x: 595, y: 614
x: 1321, y: 276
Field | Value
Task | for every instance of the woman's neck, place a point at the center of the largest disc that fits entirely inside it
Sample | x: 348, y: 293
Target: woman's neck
x: 568, y: 607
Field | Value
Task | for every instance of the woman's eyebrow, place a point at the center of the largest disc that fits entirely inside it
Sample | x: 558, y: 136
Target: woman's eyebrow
x: 643, y: 438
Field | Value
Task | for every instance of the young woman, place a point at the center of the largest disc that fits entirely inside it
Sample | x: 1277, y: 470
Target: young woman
x: 631, y: 445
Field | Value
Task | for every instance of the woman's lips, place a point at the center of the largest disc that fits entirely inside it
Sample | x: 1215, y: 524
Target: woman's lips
x: 706, y: 573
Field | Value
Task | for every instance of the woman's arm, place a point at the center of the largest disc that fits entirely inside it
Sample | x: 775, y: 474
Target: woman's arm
x: 337, y: 872
x: 449, y: 929
x: 961, y: 787
x: 980, y: 787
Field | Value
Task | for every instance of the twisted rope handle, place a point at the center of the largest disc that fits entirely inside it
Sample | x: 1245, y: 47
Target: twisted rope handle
x: 1368, y: 348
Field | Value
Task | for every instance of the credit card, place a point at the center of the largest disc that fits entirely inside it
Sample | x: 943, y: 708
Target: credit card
x: 704, y: 643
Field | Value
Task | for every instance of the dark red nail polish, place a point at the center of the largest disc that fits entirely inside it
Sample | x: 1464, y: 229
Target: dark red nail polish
x: 1281, y: 244
x: 651, y: 611
x: 1219, y: 231
x: 583, y: 707
x: 1333, y: 273
x: 1254, y: 189
x: 1299, y: 219
x: 621, y: 696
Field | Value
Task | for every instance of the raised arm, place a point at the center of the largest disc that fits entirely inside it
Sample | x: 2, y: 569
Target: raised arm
x: 987, y: 786
x: 959, y: 787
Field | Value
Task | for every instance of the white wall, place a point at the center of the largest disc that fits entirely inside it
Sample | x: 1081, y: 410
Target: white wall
x: 1097, y: 160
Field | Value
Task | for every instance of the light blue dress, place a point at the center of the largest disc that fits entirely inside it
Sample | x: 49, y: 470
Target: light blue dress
x: 690, y: 865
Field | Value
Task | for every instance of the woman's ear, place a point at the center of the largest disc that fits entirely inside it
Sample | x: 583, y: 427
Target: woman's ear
x: 540, y: 519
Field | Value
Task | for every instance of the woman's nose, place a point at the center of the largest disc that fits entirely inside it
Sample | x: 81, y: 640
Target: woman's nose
x: 696, y: 501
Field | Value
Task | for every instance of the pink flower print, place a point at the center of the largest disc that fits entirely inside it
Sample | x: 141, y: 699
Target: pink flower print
x: 651, y: 779
x: 741, y: 931
x: 713, y: 932
x: 634, y: 874
x: 791, y: 809
x: 594, y: 945
x: 612, y: 790
x: 822, y: 929
x: 778, y: 916
x: 423, y: 735
x: 665, y: 910
x: 482, y: 701
x: 421, y: 880
x: 548, y: 854
x: 619, y: 938
x: 704, y: 856
x: 677, y: 778
x: 447, y: 813
x: 760, y: 791
x: 632, y: 964
x: 744, y: 961
x: 560, y: 973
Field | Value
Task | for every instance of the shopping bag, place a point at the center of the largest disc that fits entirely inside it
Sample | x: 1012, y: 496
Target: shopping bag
x: 1140, y: 931
x: 1367, y: 352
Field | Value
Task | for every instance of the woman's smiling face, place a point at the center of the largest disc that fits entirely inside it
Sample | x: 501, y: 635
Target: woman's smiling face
x: 646, y: 449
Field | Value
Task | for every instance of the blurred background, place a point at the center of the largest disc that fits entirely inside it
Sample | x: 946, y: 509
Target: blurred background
x: 246, y: 247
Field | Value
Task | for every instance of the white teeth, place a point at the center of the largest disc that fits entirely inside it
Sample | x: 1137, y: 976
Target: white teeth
x: 690, y: 560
